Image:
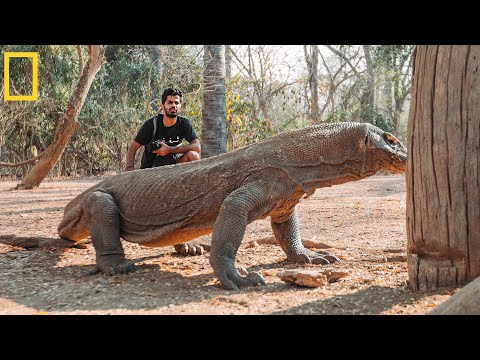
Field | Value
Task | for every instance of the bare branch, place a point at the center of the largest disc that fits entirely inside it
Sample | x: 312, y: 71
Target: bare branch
x: 26, y: 162
x: 346, y: 59
x: 281, y: 87
x: 80, y: 61
x: 240, y: 62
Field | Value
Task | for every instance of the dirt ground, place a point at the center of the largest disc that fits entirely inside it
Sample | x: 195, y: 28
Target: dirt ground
x: 361, y: 222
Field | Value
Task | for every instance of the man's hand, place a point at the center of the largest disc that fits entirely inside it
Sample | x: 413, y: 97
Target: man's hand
x: 164, y: 149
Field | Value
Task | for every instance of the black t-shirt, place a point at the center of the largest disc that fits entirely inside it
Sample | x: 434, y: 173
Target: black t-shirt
x: 172, y: 136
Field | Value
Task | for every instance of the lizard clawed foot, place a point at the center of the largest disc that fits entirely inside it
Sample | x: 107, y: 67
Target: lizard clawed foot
x: 231, y: 279
x: 311, y: 257
x: 191, y: 248
x: 114, y: 264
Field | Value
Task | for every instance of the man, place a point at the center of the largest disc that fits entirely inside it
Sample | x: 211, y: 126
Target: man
x: 170, y: 130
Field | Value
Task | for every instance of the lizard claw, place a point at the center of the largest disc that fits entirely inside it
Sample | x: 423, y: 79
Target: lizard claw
x: 113, y: 266
x: 320, y: 260
x: 230, y: 278
x: 233, y: 282
x: 256, y: 279
x: 330, y: 257
x: 186, y: 249
x: 310, y: 257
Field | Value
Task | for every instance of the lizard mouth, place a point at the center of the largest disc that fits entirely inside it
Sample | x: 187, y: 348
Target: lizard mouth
x: 399, y: 164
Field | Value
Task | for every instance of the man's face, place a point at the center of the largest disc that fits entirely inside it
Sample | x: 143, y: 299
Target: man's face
x: 172, y: 106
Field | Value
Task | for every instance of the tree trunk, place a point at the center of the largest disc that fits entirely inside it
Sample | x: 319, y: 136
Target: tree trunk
x: 228, y: 62
x: 443, y: 207
x: 311, y: 58
x: 370, y: 95
x: 314, y: 84
x: 465, y: 302
x: 155, y: 55
x: 388, y: 98
x: 67, y: 124
x: 3, y: 156
x: 397, y: 113
x: 214, y: 113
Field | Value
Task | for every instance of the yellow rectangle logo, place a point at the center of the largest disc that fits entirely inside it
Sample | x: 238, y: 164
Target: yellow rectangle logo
x: 6, y: 73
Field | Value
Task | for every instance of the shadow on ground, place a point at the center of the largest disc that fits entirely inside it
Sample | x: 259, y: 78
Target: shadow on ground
x: 371, y: 301
x: 37, y: 279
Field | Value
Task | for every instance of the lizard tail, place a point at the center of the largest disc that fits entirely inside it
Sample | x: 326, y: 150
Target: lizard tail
x: 29, y: 242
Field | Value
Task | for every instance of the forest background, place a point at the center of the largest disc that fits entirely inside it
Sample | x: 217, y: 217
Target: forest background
x: 269, y: 89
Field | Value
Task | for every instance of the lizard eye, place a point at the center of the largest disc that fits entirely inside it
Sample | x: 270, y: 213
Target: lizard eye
x: 390, y: 139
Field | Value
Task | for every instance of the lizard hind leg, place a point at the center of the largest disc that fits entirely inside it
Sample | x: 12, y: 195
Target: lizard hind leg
x: 105, y: 234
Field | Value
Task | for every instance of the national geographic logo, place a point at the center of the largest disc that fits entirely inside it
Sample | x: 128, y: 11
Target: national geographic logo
x: 6, y: 76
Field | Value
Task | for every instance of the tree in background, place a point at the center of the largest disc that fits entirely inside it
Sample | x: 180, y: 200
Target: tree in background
x: 118, y: 103
x: 67, y: 124
x: 214, y: 128
x: 443, y: 167
x: 267, y: 92
x: 263, y: 97
x: 337, y: 75
x: 368, y: 97
x: 311, y: 58
x: 26, y: 126
x: 393, y: 66
x: 368, y: 83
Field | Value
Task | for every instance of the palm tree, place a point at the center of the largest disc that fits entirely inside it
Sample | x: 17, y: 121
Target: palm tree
x: 214, y: 127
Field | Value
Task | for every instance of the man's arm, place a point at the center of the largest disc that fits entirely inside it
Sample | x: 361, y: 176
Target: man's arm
x: 131, y: 155
x: 165, y: 149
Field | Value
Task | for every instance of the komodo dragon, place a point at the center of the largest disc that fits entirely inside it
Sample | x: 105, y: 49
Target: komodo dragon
x: 170, y: 205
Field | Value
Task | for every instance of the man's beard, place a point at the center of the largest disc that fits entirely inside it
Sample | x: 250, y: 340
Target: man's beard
x: 171, y: 114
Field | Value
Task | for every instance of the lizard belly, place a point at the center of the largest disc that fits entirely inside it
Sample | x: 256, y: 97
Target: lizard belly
x: 178, y: 237
x: 165, y: 236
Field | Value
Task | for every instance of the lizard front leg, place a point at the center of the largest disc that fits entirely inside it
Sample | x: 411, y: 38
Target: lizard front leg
x: 105, y: 234
x: 287, y: 234
x: 241, y: 207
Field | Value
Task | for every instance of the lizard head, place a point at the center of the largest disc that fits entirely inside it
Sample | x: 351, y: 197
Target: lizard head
x: 385, y: 150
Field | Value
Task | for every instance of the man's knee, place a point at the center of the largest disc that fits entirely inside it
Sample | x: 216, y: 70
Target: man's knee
x: 189, y: 156
x: 193, y: 155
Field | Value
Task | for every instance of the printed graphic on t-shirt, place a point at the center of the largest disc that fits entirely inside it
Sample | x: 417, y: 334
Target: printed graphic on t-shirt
x: 171, y: 142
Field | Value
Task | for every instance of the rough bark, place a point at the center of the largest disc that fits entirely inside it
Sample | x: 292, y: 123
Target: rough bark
x: 443, y: 208
x: 465, y: 302
x: 214, y: 114
x: 67, y: 124
x: 228, y: 62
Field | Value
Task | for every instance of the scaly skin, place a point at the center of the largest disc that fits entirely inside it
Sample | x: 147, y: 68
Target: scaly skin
x: 171, y: 205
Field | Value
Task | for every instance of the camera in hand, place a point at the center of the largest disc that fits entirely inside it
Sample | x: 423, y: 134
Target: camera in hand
x: 155, y: 145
